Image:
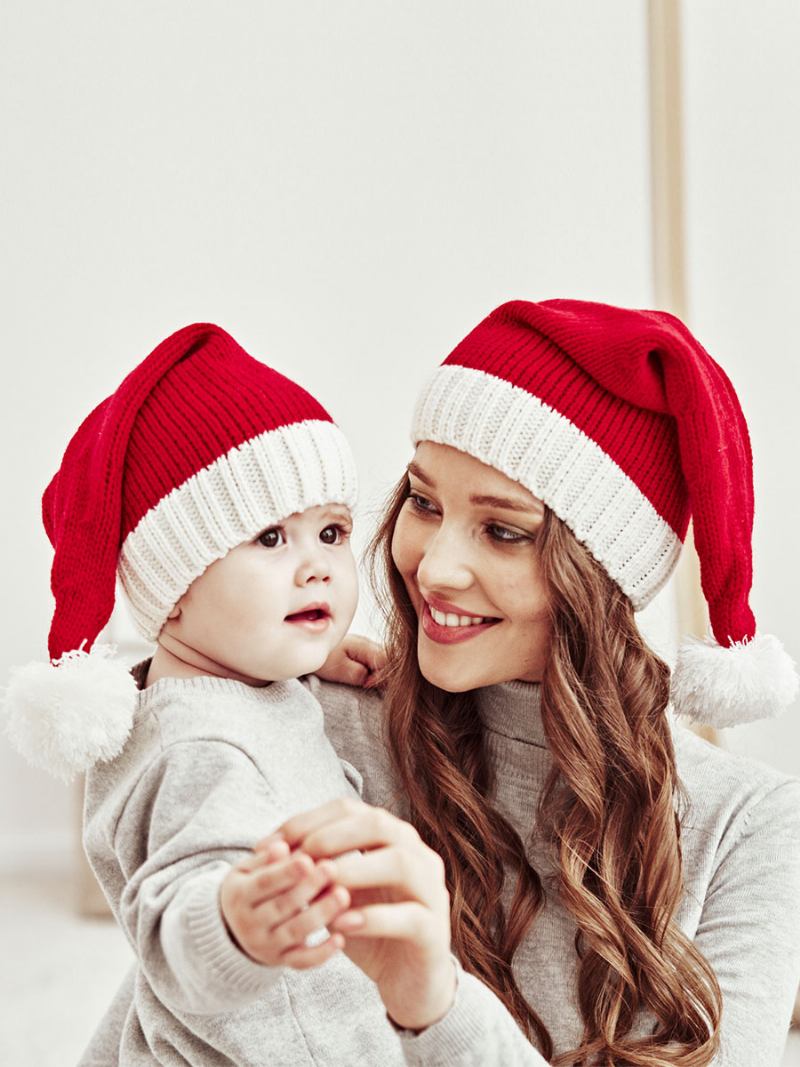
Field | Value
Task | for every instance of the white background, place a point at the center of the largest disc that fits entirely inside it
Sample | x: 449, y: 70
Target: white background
x: 348, y: 188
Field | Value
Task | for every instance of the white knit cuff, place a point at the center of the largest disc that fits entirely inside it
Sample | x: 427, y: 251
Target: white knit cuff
x: 255, y: 485
x: 518, y: 434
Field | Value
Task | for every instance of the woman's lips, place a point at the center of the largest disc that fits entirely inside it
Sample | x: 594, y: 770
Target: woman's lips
x: 450, y: 635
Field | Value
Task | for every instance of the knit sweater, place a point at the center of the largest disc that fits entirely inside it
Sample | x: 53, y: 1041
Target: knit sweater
x: 740, y: 840
x: 213, y: 765
x: 741, y: 858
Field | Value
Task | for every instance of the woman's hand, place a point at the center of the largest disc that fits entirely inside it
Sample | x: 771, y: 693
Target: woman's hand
x: 356, y: 661
x: 397, y: 929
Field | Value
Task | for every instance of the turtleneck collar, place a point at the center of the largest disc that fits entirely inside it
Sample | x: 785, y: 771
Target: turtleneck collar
x: 514, y: 710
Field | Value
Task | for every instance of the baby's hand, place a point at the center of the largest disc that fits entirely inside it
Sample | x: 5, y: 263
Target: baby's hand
x: 271, y: 901
x: 356, y: 661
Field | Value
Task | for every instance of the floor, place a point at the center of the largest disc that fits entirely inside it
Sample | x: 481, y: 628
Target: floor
x: 60, y: 971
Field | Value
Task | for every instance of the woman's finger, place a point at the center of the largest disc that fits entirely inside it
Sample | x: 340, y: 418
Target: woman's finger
x: 364, y: 828
x: 299, y: 826
x: 414, y: 874
x: 408, y: 921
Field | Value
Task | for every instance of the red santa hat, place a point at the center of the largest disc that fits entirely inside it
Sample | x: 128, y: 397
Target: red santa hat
x: 199, y: 450
x: 623, y: 425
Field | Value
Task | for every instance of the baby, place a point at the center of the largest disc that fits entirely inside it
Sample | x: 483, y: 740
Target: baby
x: 219, y: 493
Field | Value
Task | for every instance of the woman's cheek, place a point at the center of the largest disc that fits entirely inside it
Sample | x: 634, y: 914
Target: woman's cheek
x: 405, y: 552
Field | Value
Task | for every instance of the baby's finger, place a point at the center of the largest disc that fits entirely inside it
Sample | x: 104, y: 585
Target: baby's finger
x: 271, y: 881
x: 297, y: 897
x: 353, y: 673
x: 305, y: 956
x: 325, y: 908
x: 273, y: 850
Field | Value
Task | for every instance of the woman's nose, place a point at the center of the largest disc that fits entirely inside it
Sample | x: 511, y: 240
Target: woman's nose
x: 444, y: 563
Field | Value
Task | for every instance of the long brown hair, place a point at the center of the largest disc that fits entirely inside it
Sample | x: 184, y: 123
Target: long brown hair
x: 609, y: 811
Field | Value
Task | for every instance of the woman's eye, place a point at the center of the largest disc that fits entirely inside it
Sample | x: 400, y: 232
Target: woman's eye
x: 506, y: 536
x: 272, y: 537
x: 421, y: 503
x: 333, y: 535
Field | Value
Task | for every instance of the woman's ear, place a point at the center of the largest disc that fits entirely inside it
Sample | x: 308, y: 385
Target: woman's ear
x: 176, y: 612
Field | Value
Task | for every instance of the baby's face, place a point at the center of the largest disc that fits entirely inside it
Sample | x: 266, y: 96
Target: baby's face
x: 275, y: 607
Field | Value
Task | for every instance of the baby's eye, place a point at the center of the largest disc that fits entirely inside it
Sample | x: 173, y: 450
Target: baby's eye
x: 272, y: 538
x: 333, y: 534
x: 506, y: 536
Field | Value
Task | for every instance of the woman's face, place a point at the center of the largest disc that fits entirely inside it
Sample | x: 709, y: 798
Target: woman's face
x: 465, y: 545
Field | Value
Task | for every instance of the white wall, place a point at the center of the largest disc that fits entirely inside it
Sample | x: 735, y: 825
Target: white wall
x: 346, y: 187
x: 742, y: 119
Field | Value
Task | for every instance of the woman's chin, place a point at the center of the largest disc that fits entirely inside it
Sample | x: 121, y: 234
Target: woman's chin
x: 451, y: 677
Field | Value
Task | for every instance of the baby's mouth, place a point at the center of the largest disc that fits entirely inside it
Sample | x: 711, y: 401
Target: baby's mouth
x: 315, y: 613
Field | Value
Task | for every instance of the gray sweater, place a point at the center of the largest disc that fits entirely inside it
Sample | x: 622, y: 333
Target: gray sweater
x: 741, y: 850
x: 741, y: 855
x: 211, y: 766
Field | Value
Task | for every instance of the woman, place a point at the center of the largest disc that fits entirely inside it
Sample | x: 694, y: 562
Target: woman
x: 620, y: 892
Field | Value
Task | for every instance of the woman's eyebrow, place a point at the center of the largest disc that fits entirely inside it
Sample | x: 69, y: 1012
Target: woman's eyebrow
x: 507, y: 503
x: 418, y: 472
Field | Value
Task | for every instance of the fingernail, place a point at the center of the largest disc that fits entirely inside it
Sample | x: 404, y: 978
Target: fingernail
x: 350, y: 921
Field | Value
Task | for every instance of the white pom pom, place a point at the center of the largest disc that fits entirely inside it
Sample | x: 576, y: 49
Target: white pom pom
x: 65, y: 716
x: 729, y: 686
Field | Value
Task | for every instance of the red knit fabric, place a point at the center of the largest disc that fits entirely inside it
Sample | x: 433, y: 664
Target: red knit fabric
x: 646, y: 391
x: 194, y: 398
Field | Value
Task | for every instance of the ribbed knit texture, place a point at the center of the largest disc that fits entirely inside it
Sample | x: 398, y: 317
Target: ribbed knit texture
x: 644, y: 393
x: 213, y: 399
x: 255, y: 485
x: 190, y: 445
x: 509, y: 429
x: 740, y: 840
x: 213, y: 765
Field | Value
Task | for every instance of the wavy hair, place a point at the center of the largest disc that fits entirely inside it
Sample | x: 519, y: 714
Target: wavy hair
x: 609, y: 811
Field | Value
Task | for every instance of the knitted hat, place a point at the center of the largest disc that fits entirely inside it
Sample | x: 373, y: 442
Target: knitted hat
x: 623, y: 425
x: 199, y: 449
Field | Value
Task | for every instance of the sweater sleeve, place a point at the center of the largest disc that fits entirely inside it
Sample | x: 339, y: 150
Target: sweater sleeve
x: 478, y: 1031
x: 749, y: 930
x: 191, y: 815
